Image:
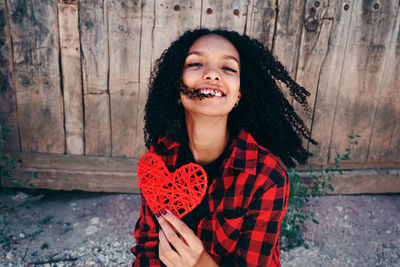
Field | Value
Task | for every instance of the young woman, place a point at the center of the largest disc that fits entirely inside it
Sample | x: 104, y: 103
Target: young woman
x: 214, y: 100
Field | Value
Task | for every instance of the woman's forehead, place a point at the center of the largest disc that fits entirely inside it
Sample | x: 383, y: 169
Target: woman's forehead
x: 213, y: 43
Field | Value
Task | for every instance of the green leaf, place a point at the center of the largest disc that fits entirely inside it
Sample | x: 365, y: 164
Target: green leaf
x: 315, y: 221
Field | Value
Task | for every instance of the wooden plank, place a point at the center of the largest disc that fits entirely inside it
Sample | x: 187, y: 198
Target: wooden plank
x: 74, y: 162
x: 350, y: 165
x: 287, y: 37
x: 78, y: 180
x: 180, y: 16
x: 375, y: 181
x: 34, y: 33
x: 313, y: 51
x: 227, y: 14
x: 95, y: 70
x: 123, y: 164
x: 320, y: 69
x: 71, y: 77
x: 124, y: 20
x: 261, y: 20
x: 385, y: 140
x: 105, y: 174
x: 145, y: 66
x: 369, y: 39
x: 8, y: 107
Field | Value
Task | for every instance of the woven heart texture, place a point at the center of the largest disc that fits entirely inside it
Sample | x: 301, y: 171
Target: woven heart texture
x: 179, y: 192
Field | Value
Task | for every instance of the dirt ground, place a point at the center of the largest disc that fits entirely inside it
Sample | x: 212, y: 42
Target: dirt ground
x: 95, y: 229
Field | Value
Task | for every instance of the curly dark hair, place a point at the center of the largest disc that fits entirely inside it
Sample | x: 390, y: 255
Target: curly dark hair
x: 263, y: 110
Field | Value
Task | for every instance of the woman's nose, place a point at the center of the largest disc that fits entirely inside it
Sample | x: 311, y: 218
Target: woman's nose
x: 211, y: 75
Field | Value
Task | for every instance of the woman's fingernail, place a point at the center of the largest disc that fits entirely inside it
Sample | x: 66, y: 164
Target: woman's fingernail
x: 163, y: 212
x: 158, y: 214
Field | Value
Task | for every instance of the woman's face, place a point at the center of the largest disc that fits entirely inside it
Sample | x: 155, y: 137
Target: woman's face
x: 212, y: 70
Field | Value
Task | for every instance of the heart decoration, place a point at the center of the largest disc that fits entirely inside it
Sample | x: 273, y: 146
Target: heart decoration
x: 179, y: 192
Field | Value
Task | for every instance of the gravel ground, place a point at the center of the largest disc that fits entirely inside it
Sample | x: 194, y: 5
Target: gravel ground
x: 95, y: 229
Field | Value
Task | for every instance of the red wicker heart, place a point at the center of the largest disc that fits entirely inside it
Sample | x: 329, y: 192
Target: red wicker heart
x: 179, y: 192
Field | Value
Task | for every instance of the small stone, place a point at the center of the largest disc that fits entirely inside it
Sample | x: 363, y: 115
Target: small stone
x: 91, y: 263
x: 388, y: 231
x: 91, y: 230
x: 20, y: 197
x: 47, y: 265
x: 21, y: 235
x: 116, y: 244
x: 339, y: 208
x: 346, y: 217
x: 9, y: 256
x: 95, y: 220
x: 72, y: 204
x: 75, y: 224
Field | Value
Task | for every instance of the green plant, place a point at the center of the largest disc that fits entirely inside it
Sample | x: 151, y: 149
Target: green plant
x: 301, y: 193
x: 6, y: 163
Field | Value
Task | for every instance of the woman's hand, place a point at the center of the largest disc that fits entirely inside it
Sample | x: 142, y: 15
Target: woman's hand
x: 189, y: 250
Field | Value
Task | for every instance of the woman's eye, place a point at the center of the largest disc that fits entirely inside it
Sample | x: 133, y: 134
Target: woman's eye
x: 194, y: 64
x: 229, y: 69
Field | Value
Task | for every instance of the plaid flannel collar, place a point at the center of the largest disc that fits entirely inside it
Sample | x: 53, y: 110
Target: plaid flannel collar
x: 244, y: 152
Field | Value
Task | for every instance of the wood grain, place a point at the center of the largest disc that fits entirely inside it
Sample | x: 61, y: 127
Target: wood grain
x: 261, y: 20
x: 95, y: 71
x: 124, y: 20
x: 71, y: 77
x: 8, y: 106
x: 74, y: 162
x: 287, y: 36
x: 385, y: 139
x: 145, y: 66
x: 73, y: 172
x: 375, y: 181
x: 369, y: 41
x: 316, y: 32
x: 34, y: 33
x: 104, y: 174
x: 229, y: 15
x: 78, y: 180
x: 320, y: 70
x: 178, y: 17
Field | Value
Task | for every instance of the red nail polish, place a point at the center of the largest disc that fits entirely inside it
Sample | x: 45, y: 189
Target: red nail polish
x: 163, y: 212
x: 158, y: 214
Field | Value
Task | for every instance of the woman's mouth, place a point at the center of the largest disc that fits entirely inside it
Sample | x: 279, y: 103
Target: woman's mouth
x: 210, y: 92
x: 202, y: 93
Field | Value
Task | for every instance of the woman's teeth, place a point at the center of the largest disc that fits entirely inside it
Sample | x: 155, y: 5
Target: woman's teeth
x: 210, y: 92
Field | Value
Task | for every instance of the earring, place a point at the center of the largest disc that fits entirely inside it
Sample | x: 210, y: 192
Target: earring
x: 179, y: 102
x: 236, y: 104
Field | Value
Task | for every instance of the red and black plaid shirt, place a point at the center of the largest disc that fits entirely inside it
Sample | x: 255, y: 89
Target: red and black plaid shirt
x: 246, y: 205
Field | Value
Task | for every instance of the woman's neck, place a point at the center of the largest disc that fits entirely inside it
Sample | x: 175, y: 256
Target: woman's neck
x: 208, y: 136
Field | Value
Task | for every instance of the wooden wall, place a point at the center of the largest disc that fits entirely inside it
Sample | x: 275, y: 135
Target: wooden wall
x: 73, y: 76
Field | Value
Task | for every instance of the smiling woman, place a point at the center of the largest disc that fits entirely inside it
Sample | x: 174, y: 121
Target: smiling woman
x: 214, y: 100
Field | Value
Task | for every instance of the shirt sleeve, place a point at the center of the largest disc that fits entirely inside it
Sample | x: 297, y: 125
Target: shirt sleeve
x: 146, y: 235
x: 258, y: 241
